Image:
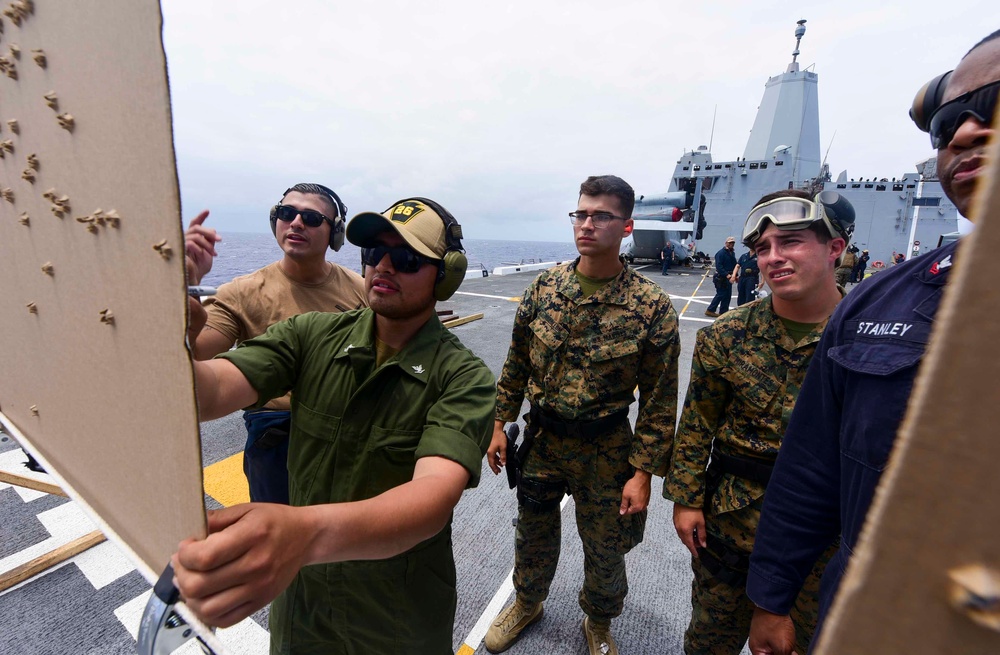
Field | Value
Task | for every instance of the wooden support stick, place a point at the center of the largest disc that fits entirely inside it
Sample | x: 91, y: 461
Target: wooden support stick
x: 455, y: 322
x: 30, y: 569
x: 30, y: 483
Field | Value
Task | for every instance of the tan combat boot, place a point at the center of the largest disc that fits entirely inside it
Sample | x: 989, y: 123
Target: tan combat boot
x: 599, y: 639
x: 509, y: 624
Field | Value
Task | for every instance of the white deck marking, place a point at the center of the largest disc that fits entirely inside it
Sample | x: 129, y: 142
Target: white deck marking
x: 495, y: 605
x: 65, y: 523
x: 247, y: 636
x: 103, y: 564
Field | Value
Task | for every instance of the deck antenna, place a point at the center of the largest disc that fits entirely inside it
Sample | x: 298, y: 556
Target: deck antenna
x: 800, y: 31
x: 712, y: 135
x: 827, y: 153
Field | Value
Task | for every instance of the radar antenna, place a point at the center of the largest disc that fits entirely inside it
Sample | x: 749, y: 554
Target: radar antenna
x: 799, y: 33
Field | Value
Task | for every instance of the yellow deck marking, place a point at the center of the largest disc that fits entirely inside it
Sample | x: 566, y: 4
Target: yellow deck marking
x: 225, y: 482
x: 485, y: 295
x: 688, y: 303
x: 465, y: 650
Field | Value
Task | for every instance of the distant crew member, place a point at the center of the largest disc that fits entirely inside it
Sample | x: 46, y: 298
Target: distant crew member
x: 748, y: 280
x: 860, y: 266
x: 666, y: 257
x: 391, y: 418
x: 746, y: 371
x: 846, y: 266
x: 308, y: 220
x: 585, y: 336
x: 851, y: 404
x: 725, y: 262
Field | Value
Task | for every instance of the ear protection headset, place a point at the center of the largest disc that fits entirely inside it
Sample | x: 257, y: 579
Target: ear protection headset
x: 338, y: 223
x: 927, y: 100
x: 451, y: 270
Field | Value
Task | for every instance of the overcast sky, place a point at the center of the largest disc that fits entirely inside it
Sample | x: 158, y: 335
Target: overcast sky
x: 499, y: 110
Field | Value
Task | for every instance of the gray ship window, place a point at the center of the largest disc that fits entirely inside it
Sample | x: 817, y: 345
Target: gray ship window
x: 697, y: 167
x: 729, y: 165
x: 897, y: 187
x: 779, y: 163
x: 911, y: 186
x: 718, y: 166
x: 754, y: 165
x: 686, y: 168
x: 763, y: 165
x: 841, y: 186
x: 927, y: 202
x: 741, y: 164
x: 880, y: 187
x: 869, y: 186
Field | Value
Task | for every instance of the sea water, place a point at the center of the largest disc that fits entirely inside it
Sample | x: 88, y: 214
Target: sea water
x: 242, y: 252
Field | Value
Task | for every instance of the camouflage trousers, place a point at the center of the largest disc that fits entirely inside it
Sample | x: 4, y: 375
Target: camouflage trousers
x: 720, y: 613
x: 843, y: 275
x: 595, y: 473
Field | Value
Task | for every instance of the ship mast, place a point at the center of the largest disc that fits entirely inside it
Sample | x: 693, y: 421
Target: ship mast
x: 800, y: 31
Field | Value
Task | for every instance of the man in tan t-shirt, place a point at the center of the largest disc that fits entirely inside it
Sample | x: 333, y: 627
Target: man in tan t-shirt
x: 309, y: 218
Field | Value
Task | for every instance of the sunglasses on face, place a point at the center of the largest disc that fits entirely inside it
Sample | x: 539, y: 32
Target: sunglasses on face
x: 979, y: 103
x: 287, y: 213
x: 403, y: 259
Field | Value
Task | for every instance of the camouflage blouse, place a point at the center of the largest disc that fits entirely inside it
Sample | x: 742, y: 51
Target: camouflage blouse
x: 583, y: 357
x: 746, y: 373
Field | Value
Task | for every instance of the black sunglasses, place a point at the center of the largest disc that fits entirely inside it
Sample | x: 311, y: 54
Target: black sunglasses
x: 288, y: 213
x: 947, y: 118
x: 403, y: 259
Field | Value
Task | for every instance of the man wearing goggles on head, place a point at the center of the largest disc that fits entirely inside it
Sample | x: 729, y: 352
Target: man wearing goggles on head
x: 585, y: 335
x: 746, y: 371
x: 845, y: 423
x: 309, y: 219
x: 391, y: 415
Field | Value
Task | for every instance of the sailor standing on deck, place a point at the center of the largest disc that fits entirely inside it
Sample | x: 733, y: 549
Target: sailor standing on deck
x: 851, y: 404
x: 747, y: 274
x: 725, y: 262
x: 746, y: 371
x: 309, y: 219
x: 585, y: 335
x: 390, y: 418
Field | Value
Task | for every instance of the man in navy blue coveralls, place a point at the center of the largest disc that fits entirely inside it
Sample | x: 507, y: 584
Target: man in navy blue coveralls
x: 855, y: 394
x: 725, y: 262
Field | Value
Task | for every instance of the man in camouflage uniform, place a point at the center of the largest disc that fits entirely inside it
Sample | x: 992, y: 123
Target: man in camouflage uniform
x: 746, y: 372
x: 846, y: 268
x: 585, y: 335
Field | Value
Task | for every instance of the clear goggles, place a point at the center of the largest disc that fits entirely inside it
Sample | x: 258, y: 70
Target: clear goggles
x: 784, y: 214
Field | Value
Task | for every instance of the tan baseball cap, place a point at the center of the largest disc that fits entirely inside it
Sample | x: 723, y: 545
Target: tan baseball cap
x: 417, y: 222
x: 730, y: 239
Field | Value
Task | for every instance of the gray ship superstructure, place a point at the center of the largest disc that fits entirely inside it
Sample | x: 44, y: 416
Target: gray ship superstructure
x: 905, y: 214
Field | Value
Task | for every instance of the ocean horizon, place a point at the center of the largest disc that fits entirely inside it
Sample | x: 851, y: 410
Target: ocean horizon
x: 244, y: 252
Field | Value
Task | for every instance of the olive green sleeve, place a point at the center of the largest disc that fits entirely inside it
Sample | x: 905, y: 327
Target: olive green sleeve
x: 704, y: 409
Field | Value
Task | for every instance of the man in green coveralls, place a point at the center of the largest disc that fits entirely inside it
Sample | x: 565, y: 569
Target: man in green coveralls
x: 585, y: 335
x: 390, y: 419
x: 746, y: 372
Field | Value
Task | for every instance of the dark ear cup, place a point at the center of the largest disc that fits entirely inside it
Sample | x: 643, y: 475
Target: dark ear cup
x: 338, y: 228
x: 927, y: 100
x: 274, y: 220
x: 839, y: 210
x: 451, y: 272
